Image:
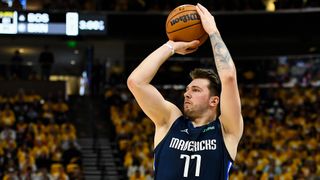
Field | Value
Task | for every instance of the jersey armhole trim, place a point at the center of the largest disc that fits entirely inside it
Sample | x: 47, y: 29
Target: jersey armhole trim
x: 224, y: 145
x: 173, y: 124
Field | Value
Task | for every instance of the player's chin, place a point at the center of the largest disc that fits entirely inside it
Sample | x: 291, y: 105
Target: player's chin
x: 186, y: 111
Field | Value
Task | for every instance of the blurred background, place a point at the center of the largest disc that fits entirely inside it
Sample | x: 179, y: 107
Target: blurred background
x: 66, y: 113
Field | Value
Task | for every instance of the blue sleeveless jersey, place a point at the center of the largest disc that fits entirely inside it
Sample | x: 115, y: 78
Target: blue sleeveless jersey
x: 188, y: 152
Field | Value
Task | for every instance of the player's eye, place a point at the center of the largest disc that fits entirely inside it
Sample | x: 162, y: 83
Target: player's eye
x: 196, y: 90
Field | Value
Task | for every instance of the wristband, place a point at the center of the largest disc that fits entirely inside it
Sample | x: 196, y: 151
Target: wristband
x: 170, y: 47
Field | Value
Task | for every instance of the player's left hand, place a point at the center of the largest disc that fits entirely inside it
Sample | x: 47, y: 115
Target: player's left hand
x: 207, y: 20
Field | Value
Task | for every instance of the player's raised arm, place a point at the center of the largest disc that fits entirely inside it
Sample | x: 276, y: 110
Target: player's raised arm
x: 230, y: 105
x: 160, y: 111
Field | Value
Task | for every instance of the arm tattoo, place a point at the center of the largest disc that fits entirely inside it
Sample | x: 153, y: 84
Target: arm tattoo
x: 222, y: 56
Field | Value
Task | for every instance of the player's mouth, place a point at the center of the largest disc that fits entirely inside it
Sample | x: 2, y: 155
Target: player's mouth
x: 187, y: 102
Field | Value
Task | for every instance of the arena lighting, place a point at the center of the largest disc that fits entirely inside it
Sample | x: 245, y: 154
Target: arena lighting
x: 52, y: 23
x: 22, y: 2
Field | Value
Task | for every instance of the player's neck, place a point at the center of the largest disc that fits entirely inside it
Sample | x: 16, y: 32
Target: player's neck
x: 201, y: 121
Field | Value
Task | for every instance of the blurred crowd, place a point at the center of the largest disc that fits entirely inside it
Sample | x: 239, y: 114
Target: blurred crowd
x: 37, y: 139
x: 281, y: 71
x: 134, y: 134
x: 164, y: 5
x: 282, y: 131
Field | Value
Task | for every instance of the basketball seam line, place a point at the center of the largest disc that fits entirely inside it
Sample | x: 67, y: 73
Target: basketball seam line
x: 182, y: 28
x: 202, y: 35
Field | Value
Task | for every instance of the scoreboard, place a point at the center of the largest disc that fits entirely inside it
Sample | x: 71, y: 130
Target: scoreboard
x: 8, y: 22
x: 52, y: 23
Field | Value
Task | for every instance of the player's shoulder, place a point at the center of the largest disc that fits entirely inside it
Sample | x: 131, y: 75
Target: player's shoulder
x: 179, y: 121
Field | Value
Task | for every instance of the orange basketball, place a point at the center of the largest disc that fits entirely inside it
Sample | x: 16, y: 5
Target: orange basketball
x: 184, y: 24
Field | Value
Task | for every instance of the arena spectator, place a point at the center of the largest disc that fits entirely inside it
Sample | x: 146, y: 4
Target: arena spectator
x: 16, y: 65
x: 46, y: 60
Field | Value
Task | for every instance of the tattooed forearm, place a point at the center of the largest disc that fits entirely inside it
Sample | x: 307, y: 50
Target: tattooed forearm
x: 222, y: 56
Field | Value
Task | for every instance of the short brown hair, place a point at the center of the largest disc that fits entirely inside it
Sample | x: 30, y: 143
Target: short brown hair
x: 214, y: 85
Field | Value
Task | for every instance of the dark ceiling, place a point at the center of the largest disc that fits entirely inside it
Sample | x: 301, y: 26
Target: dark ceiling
x: 246, y: 34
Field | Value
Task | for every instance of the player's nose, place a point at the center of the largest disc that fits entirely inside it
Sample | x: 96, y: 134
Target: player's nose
x: 187, y: 95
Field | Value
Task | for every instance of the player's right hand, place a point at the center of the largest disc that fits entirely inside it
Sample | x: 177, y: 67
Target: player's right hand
x: 184, y: 48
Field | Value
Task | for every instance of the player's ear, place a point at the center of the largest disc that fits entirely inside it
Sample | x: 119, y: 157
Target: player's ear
x: 214, y: 100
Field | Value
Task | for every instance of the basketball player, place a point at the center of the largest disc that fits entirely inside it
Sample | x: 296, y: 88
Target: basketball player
x: 200, y: 143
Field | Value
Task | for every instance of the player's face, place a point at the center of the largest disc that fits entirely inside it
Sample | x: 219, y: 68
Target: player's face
x: 196, y: 98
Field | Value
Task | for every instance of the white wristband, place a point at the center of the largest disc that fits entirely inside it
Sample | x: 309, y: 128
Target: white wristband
x: 170, y: 47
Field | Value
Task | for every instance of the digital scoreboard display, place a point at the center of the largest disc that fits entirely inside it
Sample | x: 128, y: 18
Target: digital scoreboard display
x: 92, y: 24
x: 8, y: 22
x: 69, y: 23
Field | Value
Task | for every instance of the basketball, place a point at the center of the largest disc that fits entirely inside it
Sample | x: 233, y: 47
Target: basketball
x: 184, y: 24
